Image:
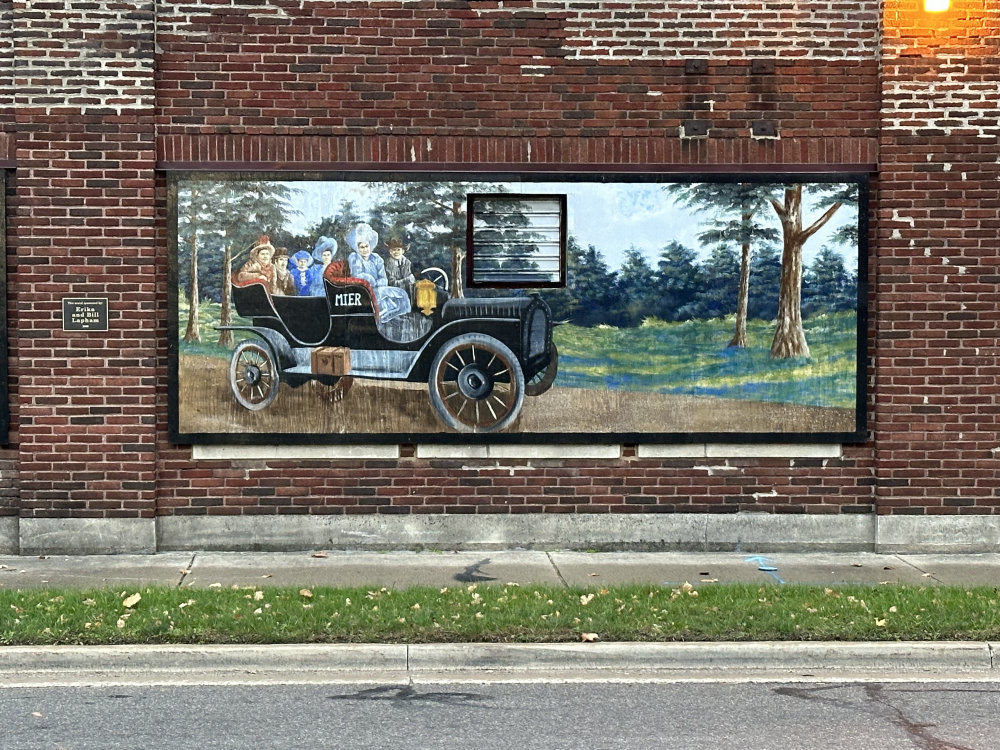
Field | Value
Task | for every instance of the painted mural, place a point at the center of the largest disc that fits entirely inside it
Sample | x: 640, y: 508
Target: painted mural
x: 642, y: 308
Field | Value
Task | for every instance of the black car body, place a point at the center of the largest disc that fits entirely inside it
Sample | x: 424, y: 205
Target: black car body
x: 479, y: 356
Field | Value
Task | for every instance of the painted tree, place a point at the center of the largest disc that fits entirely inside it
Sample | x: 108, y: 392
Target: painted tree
x: 242, y: 212
x: 433, y: 215
x: 563, y: 301
x: 678, y: 282
x: 789, y: 337
x: 636, y: 285
x: 827, y: 285
x: 593, y: 285
x: 765, y: 270
x: 341, y: 220
x: 719, y: 294
x: 194, y: 204
x: 733, y: 208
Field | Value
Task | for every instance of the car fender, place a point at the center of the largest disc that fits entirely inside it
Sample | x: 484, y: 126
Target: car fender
x: 279, y: 345
x: 505, y: 330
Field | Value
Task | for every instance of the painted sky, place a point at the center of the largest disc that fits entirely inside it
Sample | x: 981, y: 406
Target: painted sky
x: 612, y: 216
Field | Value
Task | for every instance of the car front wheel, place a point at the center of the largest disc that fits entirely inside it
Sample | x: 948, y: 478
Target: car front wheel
x: 476, y: 384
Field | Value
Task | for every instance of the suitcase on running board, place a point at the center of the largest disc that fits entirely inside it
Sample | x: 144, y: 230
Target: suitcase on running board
x: 331, y: 360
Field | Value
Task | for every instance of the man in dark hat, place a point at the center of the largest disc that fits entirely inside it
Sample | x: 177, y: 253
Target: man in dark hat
x: 398, y: 270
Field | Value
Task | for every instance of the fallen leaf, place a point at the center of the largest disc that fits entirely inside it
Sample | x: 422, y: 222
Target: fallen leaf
x: 880, y: 623
x: 185, y: 571
x: 709, y: 580
x: 857, y: 565
x: 38, y: 714
x: 888, y: 567
x: 215, y: 585
x: 320, y: 554
x: 589, y: 637
x: 306, y: 593
x: 132, y: 600
x: 594, y: 575
x: 586, y: 599
x: 258, y: 595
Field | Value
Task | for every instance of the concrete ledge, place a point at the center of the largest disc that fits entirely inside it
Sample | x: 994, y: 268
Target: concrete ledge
x: 553, y: 451
x: 87, y: 536
x: 9, y: 535
x: 292, y: 452
x: 790, y: 532
x: 745, y: 532
x: 916, y: 534
x: 741, y: 450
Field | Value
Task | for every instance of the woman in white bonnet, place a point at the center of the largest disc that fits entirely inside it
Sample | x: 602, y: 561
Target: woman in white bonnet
x: 392, y: 301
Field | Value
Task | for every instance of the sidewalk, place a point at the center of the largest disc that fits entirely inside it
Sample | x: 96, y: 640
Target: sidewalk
x: 429, y: 662
x: 401, y: 569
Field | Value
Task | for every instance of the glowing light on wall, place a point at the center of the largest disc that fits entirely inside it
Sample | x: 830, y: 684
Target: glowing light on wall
x: 936, y: 6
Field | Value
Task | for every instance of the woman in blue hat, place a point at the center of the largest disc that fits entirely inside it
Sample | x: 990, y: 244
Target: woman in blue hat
x: 299, y: 266
x: 322, y: 254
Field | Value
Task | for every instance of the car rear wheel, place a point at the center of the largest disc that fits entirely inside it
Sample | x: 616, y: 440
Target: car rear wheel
x: 476, y: 384
x: 253, y: 375
x: 543, y: 379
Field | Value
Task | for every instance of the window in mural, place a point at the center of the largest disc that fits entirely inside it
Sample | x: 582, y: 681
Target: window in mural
x: 640, y: 308
x: 516, y: 240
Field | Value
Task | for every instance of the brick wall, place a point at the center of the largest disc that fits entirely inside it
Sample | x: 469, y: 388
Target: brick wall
x: 93, y: 93
x: 83, y: 222
x: 937, y: 300
x: 473, y: 84
x: 9, y: 494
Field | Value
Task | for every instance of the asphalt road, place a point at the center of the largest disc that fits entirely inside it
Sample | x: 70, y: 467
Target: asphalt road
x: 500, y: 715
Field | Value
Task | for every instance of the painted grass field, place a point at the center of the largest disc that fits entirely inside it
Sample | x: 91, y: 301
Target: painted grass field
x: 659, y: 378
x: 693, y: 358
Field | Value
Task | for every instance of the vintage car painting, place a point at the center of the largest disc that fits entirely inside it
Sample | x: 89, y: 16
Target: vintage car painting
x: 479, y: 357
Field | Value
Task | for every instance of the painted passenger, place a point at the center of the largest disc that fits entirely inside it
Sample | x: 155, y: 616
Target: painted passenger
x: 398, y: 269
x: 281, y: 283
x: 299, y: 266
x: 322, y: 254
x: 392, y: 301
x: 258, y: 266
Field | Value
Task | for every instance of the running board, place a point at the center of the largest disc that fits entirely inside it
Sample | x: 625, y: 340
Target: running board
x: 365, y: 363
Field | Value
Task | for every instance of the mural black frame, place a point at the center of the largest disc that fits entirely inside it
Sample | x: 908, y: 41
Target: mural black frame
x: 856, y: 434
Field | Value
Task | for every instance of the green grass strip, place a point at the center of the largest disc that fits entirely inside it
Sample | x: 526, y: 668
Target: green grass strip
x: 498, y: 613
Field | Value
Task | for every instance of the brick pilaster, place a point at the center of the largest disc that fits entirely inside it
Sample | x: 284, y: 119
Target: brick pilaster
x: 84, y: 98
x: 937, y: 290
